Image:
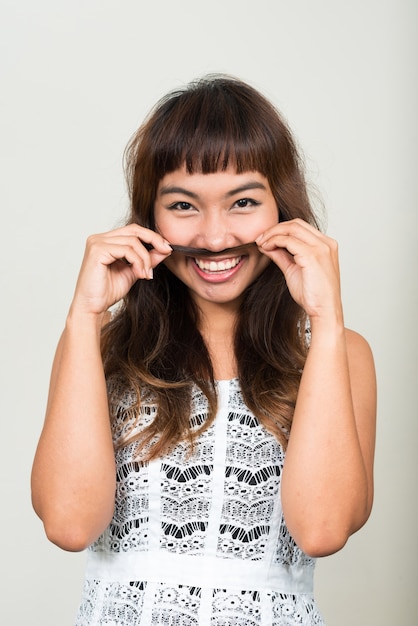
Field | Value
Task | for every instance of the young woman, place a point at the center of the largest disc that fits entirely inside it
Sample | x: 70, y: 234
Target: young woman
x: 242, y: 413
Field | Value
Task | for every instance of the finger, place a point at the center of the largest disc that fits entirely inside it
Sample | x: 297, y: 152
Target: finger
x: 290, y: 244
x: 124, y: 246
x: 299, y: 238
x: 118, y: 253
x: 297, y: 229
x: 150, y: 238
x: 281, y: 257
x: 133, y: 234
x: 144, y: 260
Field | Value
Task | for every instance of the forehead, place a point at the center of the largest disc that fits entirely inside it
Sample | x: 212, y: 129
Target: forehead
x: 223, y: 183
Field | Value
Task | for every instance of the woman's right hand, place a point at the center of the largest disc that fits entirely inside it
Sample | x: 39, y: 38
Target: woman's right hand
x: 113, y: 262
x: 73, y: 475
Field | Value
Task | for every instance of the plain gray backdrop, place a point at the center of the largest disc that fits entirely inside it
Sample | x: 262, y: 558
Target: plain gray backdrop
x: 77, y: 78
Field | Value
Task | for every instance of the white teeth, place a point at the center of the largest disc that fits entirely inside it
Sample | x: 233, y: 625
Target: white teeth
x: 217, y: 266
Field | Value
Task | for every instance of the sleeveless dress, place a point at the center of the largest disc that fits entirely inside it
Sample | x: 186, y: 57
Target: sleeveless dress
x: 199, y: 539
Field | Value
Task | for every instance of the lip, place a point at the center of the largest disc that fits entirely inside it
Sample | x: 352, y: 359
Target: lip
x: 217, y: 276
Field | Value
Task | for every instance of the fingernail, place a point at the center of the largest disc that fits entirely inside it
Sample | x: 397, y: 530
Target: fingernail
x: 150, y: 273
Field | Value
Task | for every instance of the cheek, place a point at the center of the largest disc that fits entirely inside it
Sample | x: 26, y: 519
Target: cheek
x: 267, y: 218
x: 273, y: 216
x: 168, y: 228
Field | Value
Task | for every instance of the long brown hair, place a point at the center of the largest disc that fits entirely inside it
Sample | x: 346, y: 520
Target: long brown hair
x: 153, y: 343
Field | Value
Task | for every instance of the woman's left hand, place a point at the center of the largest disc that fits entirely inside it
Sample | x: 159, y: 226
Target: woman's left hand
x: 309, y: 262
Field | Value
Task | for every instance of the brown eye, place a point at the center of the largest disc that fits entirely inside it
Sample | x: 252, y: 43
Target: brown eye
x: 242, y: 203
x: 181, y: 206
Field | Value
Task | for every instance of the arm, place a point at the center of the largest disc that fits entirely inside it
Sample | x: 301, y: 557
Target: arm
x: 73, y: 475
x: 327, y: 482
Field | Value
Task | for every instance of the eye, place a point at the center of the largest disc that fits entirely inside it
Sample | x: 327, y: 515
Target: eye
x: 181, y: 206
x: 243, y: 203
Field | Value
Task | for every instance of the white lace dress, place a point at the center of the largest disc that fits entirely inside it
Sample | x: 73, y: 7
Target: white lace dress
x: 200, y: 540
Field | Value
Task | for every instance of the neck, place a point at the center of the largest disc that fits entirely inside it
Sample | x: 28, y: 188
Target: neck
x: 217, y: 327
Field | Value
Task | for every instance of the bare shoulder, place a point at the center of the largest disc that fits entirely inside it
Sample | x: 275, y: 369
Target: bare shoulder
x: 361, y: 363
x: 358, y: 349
x: 355, y: 340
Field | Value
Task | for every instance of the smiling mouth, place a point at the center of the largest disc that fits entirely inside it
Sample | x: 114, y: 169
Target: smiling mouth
x: 217, y: 266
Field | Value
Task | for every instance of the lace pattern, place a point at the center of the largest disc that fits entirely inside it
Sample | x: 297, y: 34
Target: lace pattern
x: 221, y: 500
x: 181, y: 606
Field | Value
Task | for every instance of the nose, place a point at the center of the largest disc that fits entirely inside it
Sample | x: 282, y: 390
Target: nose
x: 215, y: 234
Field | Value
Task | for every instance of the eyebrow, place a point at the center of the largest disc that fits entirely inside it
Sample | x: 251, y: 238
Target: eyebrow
x: 191, y: 194
x: 255, y: 184
x: 174, y: 189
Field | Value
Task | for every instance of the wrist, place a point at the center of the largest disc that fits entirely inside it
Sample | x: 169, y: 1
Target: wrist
x: 327, y: 326
x: 79, y: 319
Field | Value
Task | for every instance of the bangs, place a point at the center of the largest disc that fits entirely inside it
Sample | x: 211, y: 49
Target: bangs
x: 211, y: 126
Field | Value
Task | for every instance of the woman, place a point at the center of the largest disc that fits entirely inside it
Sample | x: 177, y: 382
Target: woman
x: 242, y: 413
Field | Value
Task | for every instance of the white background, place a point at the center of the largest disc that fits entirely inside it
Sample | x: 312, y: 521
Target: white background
x: 77, y: 78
